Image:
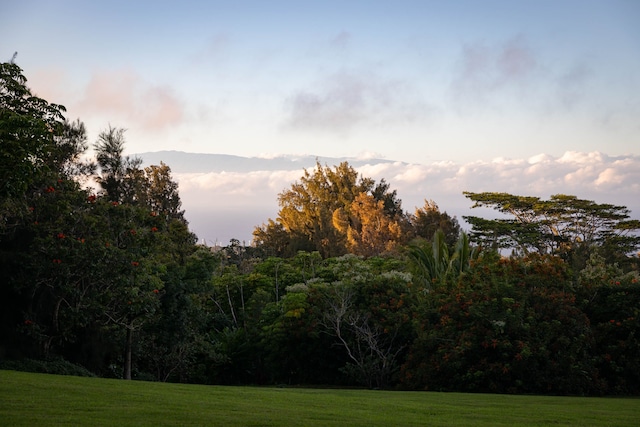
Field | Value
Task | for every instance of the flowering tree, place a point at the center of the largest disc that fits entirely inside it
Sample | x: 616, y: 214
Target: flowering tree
x: 508, y: 326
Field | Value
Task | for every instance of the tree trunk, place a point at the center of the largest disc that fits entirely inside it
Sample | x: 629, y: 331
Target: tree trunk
x: 127, y: 354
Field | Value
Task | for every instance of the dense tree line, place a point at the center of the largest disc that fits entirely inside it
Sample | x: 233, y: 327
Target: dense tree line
x: 342, y: 288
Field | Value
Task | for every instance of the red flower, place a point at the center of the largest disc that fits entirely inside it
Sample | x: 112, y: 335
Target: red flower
x: 31, y: 208
x: 28, y: 322
x: 114, y: 203
x: 92, y: 198
x: 61, y: 236
x: 153, y: 214
x: 154, y: 229
x: 81, y: 240
x: 135, y: 263
x: 57, y: 261
x: 155, y: 291
x: 133, y: 232
x: 50, y: 189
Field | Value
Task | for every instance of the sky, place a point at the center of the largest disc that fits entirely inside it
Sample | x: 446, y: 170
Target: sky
x: 534, y: 97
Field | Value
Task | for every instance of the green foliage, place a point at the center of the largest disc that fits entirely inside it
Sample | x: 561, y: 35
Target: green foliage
x: 28, y: 125
x: 367, y: 311
x: 434, y: 265
x: 563, y: 225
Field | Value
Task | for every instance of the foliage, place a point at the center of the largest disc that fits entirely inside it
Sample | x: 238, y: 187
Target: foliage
x: 611, y: 300
x: 27, y: 128
x: 428, y: 220
x: 369, y: 230
x: 434, y: 265
x: 325, y: 212
x: 563, y: 225
x: 367, y: 311
x: 510, y: 325
x: 115, y: 282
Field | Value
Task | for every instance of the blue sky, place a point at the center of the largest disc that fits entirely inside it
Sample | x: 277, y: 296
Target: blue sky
x: 416, y: 81
x: 531, y: 97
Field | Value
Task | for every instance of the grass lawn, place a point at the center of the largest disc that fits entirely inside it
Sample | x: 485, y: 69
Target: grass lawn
x: 28, y: 399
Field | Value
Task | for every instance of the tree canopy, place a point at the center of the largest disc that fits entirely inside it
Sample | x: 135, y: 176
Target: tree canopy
x: 563, y: 225
x: 335, y: 211
x: 318, y: 211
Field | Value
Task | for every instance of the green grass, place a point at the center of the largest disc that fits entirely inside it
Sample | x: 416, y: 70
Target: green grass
x: 28, y: 399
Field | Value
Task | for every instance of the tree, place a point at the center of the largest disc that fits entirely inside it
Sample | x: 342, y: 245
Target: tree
x: 610, y: 298
x: 367, y: 312
x: 370, y: 231
x: 428, y: 219
x: 84, y: 274
x: 274, y: 240
x: 162, y: 192
x: 28, y: 126
x: 563, y: 225
x: 310, y: 208
x: 45, y: 279
x: 118, y: 173
x: 508, y: 325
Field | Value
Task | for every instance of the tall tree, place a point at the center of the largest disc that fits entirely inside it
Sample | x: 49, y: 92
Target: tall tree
x: 310, y: 208
x: 28, y: 127
x: 162, y: 192
x: 118, y: 173
x: 563, y: 225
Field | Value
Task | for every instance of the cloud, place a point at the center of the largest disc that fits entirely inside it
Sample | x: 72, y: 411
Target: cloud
x: 341, y: 40
x: 51, y: 84
x: 123, y: 94
x: 592, y: 176
x: 484, y: 70
x: 238, y: 185
x: 343, y: 101
x: 571, y: 85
